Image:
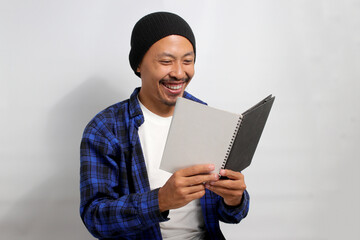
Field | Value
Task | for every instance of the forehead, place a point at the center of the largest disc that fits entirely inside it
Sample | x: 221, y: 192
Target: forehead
x: 173, y: 44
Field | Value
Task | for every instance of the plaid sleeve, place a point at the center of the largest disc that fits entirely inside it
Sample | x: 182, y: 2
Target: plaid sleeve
x: 235, y: 214
x: 103, y: 211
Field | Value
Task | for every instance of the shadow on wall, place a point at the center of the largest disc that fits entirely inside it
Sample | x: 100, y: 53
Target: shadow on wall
x: 51, y: 210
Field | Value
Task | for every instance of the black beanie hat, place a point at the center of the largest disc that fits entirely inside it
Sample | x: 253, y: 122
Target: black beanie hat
x: 151, y: 29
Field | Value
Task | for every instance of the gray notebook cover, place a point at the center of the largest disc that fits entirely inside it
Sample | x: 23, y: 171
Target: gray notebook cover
x: 248, y: 136
x: 200, y: 134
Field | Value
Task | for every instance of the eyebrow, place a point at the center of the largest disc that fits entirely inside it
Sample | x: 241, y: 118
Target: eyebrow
x: 165, y: 54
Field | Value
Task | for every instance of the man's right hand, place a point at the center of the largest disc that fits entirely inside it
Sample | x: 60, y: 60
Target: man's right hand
x: 185, y: 185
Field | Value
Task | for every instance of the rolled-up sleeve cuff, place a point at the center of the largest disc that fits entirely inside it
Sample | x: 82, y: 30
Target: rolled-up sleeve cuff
x: 149, y: 208
x: 234, y: 214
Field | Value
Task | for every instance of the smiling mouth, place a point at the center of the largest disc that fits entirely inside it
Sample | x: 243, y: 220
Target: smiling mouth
x: 173, y: 86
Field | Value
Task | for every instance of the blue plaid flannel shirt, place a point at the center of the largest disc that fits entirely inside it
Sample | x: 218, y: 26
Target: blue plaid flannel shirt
x: 116, y: 200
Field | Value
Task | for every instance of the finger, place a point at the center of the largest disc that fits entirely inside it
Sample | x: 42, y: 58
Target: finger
x: 196, y: 195
x: 200, y: 179
x: 231, y: 197
x: 196, y: 188
x: 221, y: 191
x: 196, y: 169
x: 231, y: 174
x: 185, y: 191
x: 229, y: 184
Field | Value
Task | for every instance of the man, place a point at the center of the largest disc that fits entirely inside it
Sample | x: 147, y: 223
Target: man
x: 124, y: 194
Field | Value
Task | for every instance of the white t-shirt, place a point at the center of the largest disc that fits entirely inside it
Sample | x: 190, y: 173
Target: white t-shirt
x: 186, y: 222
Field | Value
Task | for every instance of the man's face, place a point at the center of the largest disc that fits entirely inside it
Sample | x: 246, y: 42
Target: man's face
x: 166, y: 70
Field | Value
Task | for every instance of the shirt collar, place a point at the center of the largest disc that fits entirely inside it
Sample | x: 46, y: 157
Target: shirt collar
x: 134, y: 108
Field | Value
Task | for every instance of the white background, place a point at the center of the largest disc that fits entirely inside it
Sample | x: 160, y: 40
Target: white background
x: 61, y: 62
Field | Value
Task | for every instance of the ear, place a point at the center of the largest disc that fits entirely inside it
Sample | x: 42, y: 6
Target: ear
x: 138, y: 69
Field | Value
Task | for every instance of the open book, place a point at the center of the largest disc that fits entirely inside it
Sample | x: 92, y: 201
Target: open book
x: 200, y: 134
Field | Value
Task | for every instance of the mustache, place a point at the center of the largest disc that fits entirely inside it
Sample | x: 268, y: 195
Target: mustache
x: 173, y: 79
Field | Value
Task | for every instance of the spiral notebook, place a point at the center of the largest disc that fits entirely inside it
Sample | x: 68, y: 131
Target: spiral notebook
x: 200, y: 134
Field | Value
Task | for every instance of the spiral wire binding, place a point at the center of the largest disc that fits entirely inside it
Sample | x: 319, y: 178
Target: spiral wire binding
x: 238, y: 125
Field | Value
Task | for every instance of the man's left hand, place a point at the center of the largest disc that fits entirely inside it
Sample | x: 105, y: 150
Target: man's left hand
x: 230, y: 189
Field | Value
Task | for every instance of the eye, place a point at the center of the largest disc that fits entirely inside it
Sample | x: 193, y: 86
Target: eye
x: 165, y: 62
x: 188, y: 61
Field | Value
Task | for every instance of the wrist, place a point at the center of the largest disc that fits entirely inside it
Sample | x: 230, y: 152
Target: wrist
x: 162, y: 203
x: 233, y: 202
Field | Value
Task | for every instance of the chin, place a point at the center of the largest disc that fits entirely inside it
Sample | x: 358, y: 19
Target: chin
x: 170, y: 104
x: 171, y: 101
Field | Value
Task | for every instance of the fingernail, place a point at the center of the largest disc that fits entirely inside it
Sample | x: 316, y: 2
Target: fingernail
x: 222, y: 172
x: 211, y: 167
x: 216, y: 176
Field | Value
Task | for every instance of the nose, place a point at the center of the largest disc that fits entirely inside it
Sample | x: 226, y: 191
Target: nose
x: 178, y: 71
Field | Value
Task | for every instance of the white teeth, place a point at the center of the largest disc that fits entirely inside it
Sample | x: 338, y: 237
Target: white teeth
x: 174, y: 87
